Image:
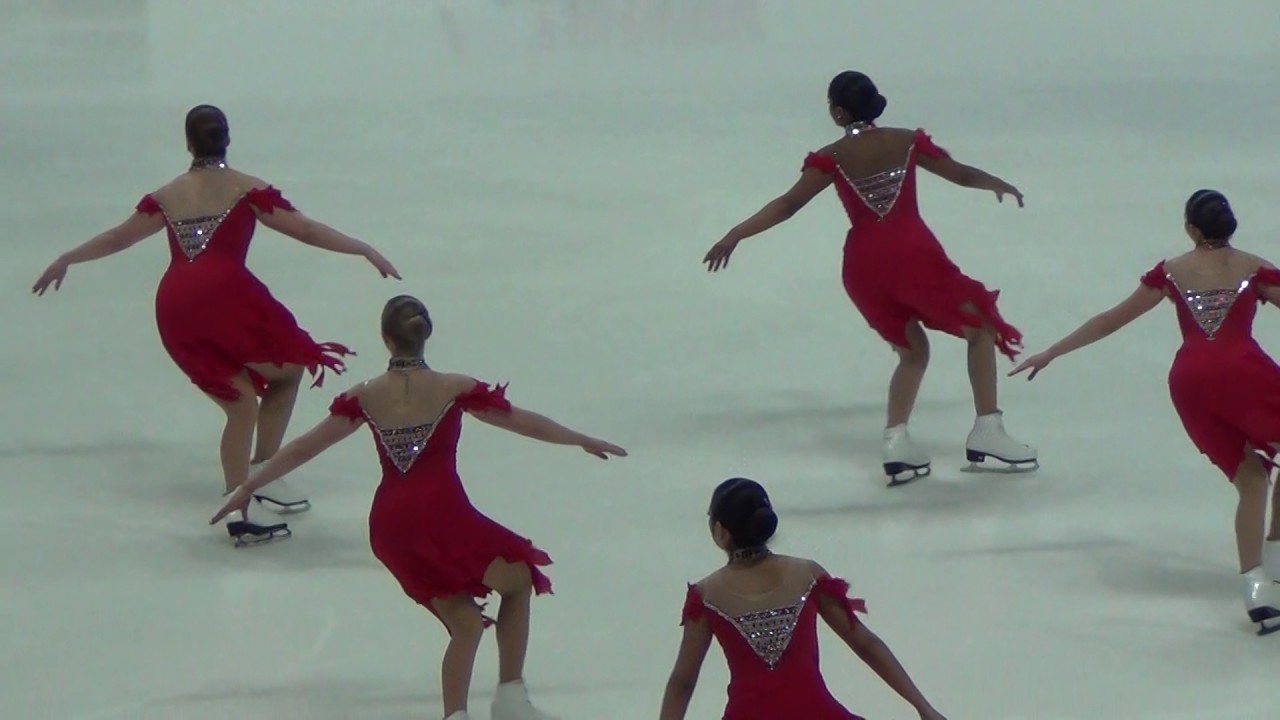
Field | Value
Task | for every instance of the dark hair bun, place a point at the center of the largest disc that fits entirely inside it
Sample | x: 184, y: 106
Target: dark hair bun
x: 207, y: 131
x: 857, y: 95
x: 417, y: 327
x: 1209, y: 212
x: 742, y: 507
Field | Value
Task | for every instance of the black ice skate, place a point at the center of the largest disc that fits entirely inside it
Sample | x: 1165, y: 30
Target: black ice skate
x: 989, y: 442
x: 247, y: 533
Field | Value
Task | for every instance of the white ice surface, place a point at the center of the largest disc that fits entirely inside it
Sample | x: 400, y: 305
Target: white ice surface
x: 547, y: 175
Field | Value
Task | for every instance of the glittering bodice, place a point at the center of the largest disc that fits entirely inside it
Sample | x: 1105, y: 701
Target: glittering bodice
x: 880, y: 192
x: 769, y: 632
x: 404, y: 445
x: 193, y: 234
x: 1210, y: 308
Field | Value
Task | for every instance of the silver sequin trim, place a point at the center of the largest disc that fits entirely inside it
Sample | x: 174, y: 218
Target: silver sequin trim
x: 405, y: 444
x: 880, y: 192
x: 193, y: 235
x: 769, y: 632
x: 1210, y: 307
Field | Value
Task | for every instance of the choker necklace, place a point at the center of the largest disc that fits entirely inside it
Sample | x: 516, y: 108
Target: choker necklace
x: 209, y: 162
x: 404, y: 364
x: 747, y: 556
x: 857, y: 128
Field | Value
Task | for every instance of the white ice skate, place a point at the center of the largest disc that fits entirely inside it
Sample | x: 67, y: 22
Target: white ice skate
x: 988, y: 441
x: 460, y: 715
x: 246, y: 532
x: 904, y: 461
x: 281, y: 498
x: 512, y: 703
x: 1262, y: 600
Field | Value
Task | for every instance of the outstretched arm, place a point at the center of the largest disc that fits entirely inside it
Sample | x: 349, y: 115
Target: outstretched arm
x: 330, y: 431
x: 1096, y: 328
x: 812, y: 181
x: 967, y: 176
x: 316, y: 234
x: 684, y: 676
x: 132, y: 231
x: 875, y: 653
x: 539, y: 427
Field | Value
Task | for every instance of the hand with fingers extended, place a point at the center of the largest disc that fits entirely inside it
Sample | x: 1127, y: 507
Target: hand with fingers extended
x: 237, y: 500
x: 1035, y: 364
x: 718, y: 256
x: 601, y: 448
x: 382, y: 264
x: 1003, y: 188
x: 52, y: 275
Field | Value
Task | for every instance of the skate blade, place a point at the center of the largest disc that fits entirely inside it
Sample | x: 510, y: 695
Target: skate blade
x: 280, y: 508
x: 902, y: 473
x: 246, y: 534
x: 977, y: 464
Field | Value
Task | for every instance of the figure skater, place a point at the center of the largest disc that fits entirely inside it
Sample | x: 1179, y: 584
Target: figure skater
x: 422, y: 526
x: 896, y: 272
x: 763, y: 610
x: 217, y: 321
x: 1224, y: 386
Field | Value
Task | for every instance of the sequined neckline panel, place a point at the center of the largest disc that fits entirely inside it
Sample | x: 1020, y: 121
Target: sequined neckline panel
x: 769, y: 632
x: 1209, y: 308
x: 880, y: 192
x: 404, y: 445
x: 194, y: 234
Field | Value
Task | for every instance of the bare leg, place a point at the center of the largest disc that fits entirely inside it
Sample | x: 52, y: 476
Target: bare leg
x: 982, y: 369
x: 514, y: 583
x: 237, y: 434
x: 462, y: 616
x: 1251, y: 512
x: 904, y: 385
x: 276, y: 408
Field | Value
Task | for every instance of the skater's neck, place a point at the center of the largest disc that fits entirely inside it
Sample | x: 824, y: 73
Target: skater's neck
x: 206, y: 163
x: 747, y: 557
x: 406, y: 362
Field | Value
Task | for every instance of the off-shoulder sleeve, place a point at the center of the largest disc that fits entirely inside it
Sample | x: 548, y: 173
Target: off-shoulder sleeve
x: 1156, y: 277
x: 924, y: 145
x: 268, y: 199
x: 148, y: 206
x: 818, y: 161
x: 482, y: 397
x: 694, y: 609
x: 347, y: 406
x: 838, y: 589
x: 1267, y: 276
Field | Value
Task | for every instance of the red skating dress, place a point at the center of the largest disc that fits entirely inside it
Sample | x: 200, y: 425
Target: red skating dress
x: 772, y: 654
x: 894, y: 267
x: 422, y: 525
x: 214, y: 316
x: 1224, y: 386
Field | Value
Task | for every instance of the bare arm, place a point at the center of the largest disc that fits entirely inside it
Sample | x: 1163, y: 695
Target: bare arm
x: 132, y: 231
x: 138, y: 227
x: 684, y: 676
x: 316, y: 234
x: 330, y: 431
x: 531, y: 425
x: 967, y: 176
x: 1105, y: 323
x: 872, y: 651
x: 312, y: 232
x: 783, y: 207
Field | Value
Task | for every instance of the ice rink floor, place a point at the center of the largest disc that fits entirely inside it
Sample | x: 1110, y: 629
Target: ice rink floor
x: 547, y: 176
